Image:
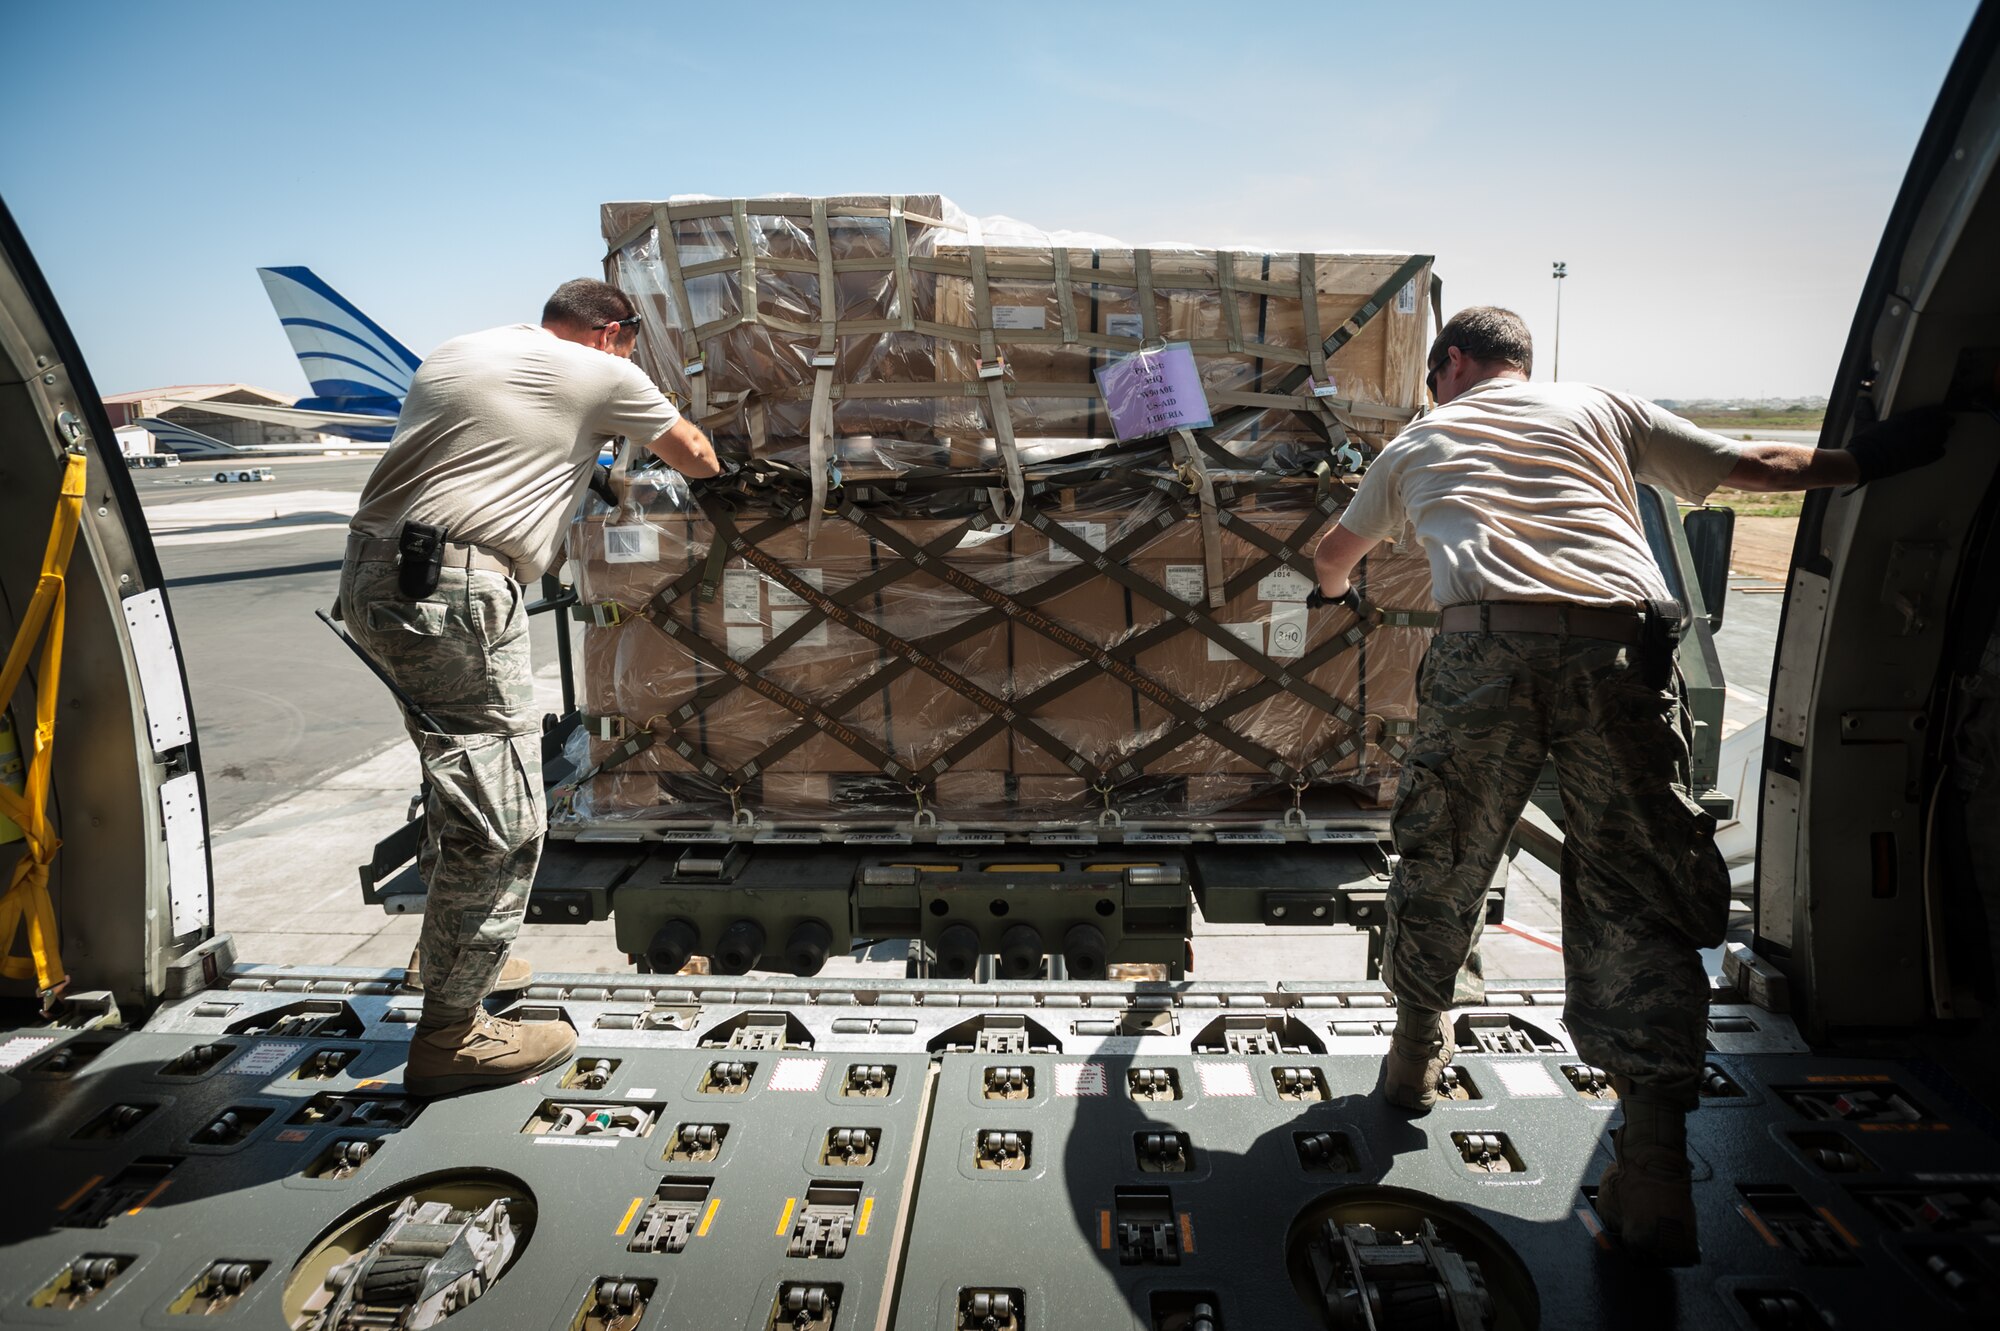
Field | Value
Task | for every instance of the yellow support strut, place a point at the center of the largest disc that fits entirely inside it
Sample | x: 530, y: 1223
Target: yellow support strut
x: 26, y: 900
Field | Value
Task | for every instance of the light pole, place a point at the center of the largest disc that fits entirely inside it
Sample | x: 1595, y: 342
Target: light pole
x: 1561, y: 271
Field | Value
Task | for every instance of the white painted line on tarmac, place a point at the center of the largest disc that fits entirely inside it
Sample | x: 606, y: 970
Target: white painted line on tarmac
x: 252, y: 506
x: 1533, y: 935
x: 238, y: 537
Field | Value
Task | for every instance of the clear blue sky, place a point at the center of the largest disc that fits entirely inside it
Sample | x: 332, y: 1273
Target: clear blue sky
x: 1715, y: 174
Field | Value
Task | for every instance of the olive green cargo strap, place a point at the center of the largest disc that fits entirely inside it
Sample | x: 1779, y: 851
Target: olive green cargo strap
x: 694, y: 363
x: 1309, y: 309
x: 993, y: 373
x: 1187, y: 454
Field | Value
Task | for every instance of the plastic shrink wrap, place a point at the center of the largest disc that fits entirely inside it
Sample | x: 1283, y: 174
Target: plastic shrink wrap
x: 941, y: 587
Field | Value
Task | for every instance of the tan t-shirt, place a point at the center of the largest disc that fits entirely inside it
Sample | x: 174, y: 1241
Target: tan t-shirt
x: 497, y: 438
x: 1529, y: 492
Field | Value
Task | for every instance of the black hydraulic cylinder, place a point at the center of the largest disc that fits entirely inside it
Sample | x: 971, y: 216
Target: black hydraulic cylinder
x: 672, y: 945
x: 807, y: 948
x: 957, y: 952
x: 739, y: 949
x: 1083, y: 952
x: 1021, y: 953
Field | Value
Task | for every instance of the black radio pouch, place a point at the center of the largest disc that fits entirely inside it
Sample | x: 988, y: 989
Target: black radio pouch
x: 1662, y: 635
x: 419, y: 559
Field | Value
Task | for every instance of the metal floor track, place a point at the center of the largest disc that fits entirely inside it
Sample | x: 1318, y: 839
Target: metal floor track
x: 758, y: 1153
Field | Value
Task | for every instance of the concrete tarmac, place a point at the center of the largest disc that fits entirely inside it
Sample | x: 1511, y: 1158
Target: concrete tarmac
x: 279, y: 702
x: 307, y: 767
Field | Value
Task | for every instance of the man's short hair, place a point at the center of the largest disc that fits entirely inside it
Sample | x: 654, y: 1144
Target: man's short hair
x: 1487, y: 333
x: 586, y: 303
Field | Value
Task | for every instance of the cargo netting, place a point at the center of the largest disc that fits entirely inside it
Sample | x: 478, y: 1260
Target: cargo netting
x: 936, y: 590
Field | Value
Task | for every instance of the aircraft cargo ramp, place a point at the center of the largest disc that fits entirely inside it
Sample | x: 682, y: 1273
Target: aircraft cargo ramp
x: 756, y: 1153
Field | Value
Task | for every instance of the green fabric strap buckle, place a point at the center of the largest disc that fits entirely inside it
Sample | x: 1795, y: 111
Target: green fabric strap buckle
x: 711, y: 569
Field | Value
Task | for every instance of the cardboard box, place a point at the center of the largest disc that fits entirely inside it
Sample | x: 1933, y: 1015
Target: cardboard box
x: 916, y: 325
x: 636, y: 671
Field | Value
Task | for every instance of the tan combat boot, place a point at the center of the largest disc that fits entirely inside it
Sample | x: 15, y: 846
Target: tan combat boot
x: 1646, y: 1198
x: 483, y: 1050
x: 515, y: 973
x: 1417, y: 1058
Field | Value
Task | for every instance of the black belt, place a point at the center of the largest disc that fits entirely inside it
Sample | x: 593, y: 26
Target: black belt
x: 471, y: 558
x: 1611, y: 623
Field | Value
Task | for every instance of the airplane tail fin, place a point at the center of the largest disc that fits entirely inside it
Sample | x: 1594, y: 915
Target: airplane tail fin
x: 350, y: 360
x: 179, y: 439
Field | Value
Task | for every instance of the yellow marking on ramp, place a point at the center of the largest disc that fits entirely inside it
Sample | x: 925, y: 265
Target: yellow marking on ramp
x: 867, y: 1209
x: 1839, y: 1228
x: 1758, y: 1225
x: 1592, y: 1228
x: 630, y: 1211
x: 708, y: 1217
x: 147, y: 1200
x: 77, y: 1196
x: 785, y: 1220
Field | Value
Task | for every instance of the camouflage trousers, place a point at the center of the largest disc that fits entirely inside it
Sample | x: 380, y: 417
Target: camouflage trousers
x: 1643, y: 885
x: 461, y: 653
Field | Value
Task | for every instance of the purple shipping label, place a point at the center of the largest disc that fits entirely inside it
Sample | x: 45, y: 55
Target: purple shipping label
x: 1153, y: 391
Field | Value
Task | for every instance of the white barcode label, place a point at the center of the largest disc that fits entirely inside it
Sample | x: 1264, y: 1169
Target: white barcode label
x: 1092, y: 534
x: 1187, y: 582
x: 633, y: 543
x: 741, y: 601
x: 1125, y: 325
x: 1253, y: 634
x: 1020, y: 316
x: 1286, y: 584
x: 784, y: 598
x: 812, y: 637
x: 1406, y: 299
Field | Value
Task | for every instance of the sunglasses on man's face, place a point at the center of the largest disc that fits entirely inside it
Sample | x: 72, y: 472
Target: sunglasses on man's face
x: 1431, y: 379
x: 632, y: 322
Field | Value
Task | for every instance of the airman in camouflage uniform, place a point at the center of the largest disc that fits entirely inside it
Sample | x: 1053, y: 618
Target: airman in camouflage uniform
x: 1557, y: 643
x: 498, y: 438
x: 1644, y: 885
x: 461, y: 654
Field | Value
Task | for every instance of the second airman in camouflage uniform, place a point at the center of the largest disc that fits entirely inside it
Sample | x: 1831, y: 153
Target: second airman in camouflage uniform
x: 1557, y: 642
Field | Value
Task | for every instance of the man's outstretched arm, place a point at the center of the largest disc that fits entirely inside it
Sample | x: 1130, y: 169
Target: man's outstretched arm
x: 1772, y: 466
x: 1905, y: 441
x: 1333, y: 562
x: 687, y: 450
